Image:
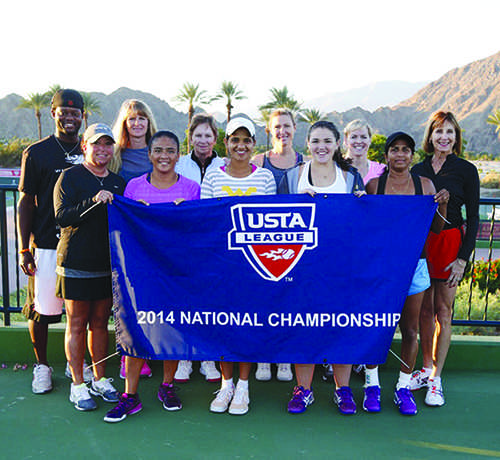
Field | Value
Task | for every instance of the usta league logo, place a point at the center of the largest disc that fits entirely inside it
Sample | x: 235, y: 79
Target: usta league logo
x: 273, y: 237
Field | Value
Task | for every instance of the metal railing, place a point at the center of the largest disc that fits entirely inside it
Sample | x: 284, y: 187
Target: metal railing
x: 13, y: 280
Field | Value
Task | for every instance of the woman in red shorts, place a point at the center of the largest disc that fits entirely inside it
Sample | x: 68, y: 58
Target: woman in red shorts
x: 447, y: 252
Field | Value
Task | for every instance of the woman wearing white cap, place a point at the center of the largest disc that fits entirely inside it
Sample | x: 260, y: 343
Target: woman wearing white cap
x: 237, y: 178
x: 83, y: 265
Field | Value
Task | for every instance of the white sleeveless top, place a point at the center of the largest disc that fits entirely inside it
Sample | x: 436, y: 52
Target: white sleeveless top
x: 339, y: 186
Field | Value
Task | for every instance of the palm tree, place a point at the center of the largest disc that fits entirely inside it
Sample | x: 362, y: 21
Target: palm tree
x: 311, y: 116
x: 91, y: 106
x: 494, y: 119
x: 191, y: 94
x: 53, y: 89
x: 282, y: 99
x: 35, y: 101
x: 265, y: 114
x: 230, y: 92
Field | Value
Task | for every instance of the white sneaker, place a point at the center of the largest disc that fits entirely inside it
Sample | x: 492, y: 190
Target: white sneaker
x: 184, y: 370
x: 263, y: 372
x: 239, y: 404
x: 419, y: 379
x: 80, y: 397
x: 434, y: 396
x: 208, y: 369
x: 105, y: 390
x: 42, y: 379
x: 222, y: 400
x: 88, y: 375
x: 284, y: 373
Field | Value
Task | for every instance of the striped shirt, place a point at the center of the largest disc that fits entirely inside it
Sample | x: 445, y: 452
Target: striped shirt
x: 217, y: 183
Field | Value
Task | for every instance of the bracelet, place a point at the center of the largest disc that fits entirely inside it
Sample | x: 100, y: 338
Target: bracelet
x: 22, y: 251
x: 442, y: 217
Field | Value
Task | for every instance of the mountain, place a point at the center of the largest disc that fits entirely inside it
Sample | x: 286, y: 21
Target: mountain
x: 22, y: 123
x: 369, y: 97
x: 471, y: 92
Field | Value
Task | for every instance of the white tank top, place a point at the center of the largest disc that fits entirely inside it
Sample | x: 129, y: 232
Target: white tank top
x: 339, y: 186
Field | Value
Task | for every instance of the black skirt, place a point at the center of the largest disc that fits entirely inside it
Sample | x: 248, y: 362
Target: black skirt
x: 83, y: 288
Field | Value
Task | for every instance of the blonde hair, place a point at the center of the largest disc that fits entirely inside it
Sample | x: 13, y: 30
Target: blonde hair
x: 357, y: 124
x: 281, y: 111
x: 128, y: 108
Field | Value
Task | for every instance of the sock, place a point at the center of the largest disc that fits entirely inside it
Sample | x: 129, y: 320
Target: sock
x: 403, y: 381
x: 371, y: 377
x: 427, y: 370
x: 242, y: 384
x: 436, y: 381
x: 226, y: 383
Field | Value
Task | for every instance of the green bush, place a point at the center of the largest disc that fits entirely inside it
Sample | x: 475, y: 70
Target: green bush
x: 11, y: 151
x: 491, y: 180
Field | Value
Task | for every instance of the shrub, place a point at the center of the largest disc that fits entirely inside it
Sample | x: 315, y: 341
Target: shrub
x: 491, y: 180
x: 11, y: 151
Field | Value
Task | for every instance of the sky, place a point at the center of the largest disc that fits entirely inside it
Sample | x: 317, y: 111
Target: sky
x: 312, y: 47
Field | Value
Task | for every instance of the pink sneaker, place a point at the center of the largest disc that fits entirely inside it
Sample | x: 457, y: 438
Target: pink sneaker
x: 145, y: 371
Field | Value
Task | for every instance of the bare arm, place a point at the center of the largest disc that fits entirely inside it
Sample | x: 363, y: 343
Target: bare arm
x: 258, y: 160
x: 25, y: 213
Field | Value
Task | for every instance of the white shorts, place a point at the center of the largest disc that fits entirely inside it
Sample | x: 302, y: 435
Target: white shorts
x: 45, y: 300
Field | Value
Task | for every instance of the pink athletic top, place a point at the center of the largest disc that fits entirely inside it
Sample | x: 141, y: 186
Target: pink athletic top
x: 375, y: 170
x: 140, y: 189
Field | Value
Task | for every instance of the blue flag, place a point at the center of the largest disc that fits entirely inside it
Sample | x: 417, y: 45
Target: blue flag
x: 285, y: 278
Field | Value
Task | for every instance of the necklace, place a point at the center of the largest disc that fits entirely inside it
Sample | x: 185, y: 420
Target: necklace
x: 66, y: 153
x: 229, y: 166
x: 405, y: 190
x: 98, y: 179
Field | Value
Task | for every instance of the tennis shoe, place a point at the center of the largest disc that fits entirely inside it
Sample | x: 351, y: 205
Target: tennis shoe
x: 371, y: 400
x: 301, y: 399
x: 403, y: 398
x: 128, y: 405
x: 344, y: 399
x: 434, y: 396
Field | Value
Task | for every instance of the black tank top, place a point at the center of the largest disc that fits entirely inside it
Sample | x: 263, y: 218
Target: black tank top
x: 417, y: 182
x: 382, y: 180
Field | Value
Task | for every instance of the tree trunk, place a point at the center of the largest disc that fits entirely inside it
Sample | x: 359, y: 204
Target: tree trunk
x: 38, y: 116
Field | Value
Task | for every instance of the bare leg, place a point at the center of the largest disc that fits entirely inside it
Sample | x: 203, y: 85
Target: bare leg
x: 77, y: 314
x: 169, y: 369
x: 226, y: 370
x: 304, y: 374
x: 245, y: 370
x: 408, y: 325
x: 427, y: 324
x: 98, y: 334
x: 342, y: 374
x: 39, y: 334
x: 133, y: 368
x: 443, y: 303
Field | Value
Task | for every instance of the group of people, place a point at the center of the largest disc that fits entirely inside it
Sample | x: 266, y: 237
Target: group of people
x: 66, y: 182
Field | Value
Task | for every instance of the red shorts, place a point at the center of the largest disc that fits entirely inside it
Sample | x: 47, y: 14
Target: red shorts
x: 441, y: 250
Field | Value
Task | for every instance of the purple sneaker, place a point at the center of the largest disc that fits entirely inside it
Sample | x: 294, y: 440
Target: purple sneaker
x: 301, y: 398
x: 371, y: 401
x: 344, y: 398
x: 403, y: 398
x: 167, y: 395
x: 128, y: 405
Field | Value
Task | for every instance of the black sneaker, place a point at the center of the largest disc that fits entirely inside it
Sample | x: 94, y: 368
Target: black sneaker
x: 167, y: 395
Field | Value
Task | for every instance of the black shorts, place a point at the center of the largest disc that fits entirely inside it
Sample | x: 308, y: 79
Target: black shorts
x: 83, y: 288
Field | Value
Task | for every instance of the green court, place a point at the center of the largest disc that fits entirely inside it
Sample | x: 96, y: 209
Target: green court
x: 43, y: 426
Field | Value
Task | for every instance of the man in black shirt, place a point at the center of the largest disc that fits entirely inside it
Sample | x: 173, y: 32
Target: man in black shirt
x: 42, y: 163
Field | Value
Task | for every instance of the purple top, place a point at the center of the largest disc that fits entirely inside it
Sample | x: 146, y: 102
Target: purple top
x: 374, y: 170
x: 140, y: 189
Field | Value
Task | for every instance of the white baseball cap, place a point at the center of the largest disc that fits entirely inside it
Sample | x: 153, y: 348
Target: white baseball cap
x: 240, y: 122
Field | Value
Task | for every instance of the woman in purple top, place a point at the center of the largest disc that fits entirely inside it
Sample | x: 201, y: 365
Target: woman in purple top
x: 162, y: 185
x: 357, y: 140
